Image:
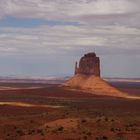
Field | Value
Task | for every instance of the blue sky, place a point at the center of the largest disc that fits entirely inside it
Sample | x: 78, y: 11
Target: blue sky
x: 40, y: 38
x: 11, y: 21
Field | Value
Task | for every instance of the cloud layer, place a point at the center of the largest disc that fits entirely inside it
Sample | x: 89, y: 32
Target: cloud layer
x: 66, y: 9
x: 63, y: 39
x: 69, y: 27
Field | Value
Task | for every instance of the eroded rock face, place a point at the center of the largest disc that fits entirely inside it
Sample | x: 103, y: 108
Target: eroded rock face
x: 89, y: 65
x: 87, y: 78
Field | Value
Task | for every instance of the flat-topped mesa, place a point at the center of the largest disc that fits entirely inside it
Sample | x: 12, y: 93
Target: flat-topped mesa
x: 89, y: 65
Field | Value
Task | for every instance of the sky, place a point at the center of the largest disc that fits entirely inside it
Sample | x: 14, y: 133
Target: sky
x: 46, y: 37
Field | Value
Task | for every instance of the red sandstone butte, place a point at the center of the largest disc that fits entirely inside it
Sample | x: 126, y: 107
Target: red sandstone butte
x: 87, y: 78
x: 89, y: 65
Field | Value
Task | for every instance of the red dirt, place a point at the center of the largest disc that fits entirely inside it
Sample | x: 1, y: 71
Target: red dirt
x: 83, y: 116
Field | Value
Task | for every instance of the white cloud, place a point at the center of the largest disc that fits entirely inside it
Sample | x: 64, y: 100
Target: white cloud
x: 91, y: 41
x: 103, y: 7
x: 107, y: 24
x: 59, y: 39
x: 65, y: 9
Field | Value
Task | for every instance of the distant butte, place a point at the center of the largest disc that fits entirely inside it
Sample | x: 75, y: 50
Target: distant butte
x: 87, y: 78
x: 89, y: 65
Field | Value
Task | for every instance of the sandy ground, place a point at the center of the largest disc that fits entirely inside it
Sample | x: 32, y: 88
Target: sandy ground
x: 20, y: 104
x: 51, y: 112
x: 17, y: 88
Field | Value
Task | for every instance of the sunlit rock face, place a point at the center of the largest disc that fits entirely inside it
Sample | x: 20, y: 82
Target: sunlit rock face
x: 89, y: 65
x: 92, y: 84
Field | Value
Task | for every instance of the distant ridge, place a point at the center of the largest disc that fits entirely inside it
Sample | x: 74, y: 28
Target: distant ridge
x: 114, y: 79
x: 37, y: 80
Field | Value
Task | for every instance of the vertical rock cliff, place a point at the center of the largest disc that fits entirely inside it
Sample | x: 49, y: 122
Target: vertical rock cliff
x: 89, y: 65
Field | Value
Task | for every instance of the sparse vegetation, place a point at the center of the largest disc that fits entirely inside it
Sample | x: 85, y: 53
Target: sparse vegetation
x: 112, y: 129
x: 31, y: 132
x: 61, y: 128
x: 40, y: 131
x: 102, y: 138
x: 121, y: 138
x: 106, y: 119
x: 83, y: 121
x: 20, y: 132
x: 89, y: 118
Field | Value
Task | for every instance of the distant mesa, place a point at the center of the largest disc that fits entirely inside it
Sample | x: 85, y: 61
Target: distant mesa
x: 87, y: 78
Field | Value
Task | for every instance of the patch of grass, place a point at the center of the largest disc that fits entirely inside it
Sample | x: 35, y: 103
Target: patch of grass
x: 85, y: 137
x: 31, y: 132
x: 20, y: 132
x: 61, y: 128
x: 105, y: 138
x: 83, y: 121
x: 106, y: 119
x: 58, y: 129
x: 112, y: 129
x: 121, y: 138
x: 102, y: 138
x: 89, y: 133
x: 40, y: 131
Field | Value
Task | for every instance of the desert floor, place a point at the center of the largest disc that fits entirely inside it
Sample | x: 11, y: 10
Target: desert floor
x: 50, y: 112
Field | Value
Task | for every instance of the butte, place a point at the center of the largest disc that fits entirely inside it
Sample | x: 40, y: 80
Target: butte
x: 87, y: 78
